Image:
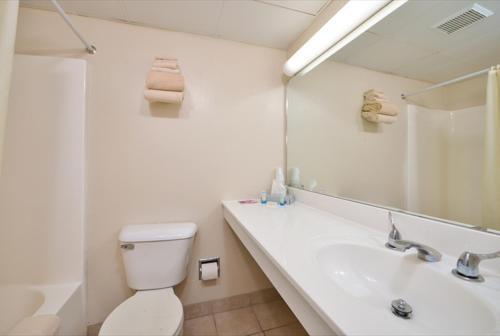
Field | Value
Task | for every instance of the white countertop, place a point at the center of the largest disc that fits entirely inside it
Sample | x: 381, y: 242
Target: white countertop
x: 291, y: 237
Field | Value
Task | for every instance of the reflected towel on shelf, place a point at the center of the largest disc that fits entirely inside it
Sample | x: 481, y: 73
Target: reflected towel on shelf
x: 381, y: 107
x: 46, y: 325
x: 378, y: 118
x: 371, y: 99
x: 165, y: 64
x: 373, y: 94
x: 158, y: 80
x: 159, y: 96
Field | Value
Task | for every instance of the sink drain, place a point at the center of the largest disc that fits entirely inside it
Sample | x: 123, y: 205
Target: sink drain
x: 401, y: 308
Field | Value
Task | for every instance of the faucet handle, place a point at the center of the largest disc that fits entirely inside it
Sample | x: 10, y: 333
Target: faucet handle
x: 391, y: 219
x: 394, y: 235
x: 468, y: 265
x: 394, y: 232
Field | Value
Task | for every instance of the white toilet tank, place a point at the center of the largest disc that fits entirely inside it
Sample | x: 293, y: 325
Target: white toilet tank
x: 156, y: 255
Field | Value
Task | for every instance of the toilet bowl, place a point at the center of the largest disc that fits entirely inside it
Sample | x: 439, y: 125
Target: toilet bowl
x: 155, y: 258
x: 151, y: 312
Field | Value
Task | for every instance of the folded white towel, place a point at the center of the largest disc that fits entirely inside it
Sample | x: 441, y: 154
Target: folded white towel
x: 170, y: 64
x: 373, y: 94
x: 380, y: 107
x: 160, y: 96
x: 166, y: 58
x: 378, y: 118
x: 165, y: 70
x: 372, y: 99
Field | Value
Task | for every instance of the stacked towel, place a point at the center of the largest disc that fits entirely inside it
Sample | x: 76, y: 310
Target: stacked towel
x: 377, y: 109
x: 378, y: 118
x: 165, y: 82
x: 373, y: 94
x: 381, y: 107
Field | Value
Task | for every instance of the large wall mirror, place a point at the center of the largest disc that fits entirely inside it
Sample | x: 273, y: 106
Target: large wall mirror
x: 428, y: 153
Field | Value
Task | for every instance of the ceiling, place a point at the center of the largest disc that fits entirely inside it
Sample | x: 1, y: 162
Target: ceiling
x: 270, y: 23
x: 405, y: 44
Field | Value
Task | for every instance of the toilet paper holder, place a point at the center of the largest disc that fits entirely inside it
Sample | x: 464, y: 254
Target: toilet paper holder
x: 207, y: 261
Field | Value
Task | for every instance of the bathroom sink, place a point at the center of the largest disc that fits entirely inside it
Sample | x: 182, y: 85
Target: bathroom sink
x: 373, y: 277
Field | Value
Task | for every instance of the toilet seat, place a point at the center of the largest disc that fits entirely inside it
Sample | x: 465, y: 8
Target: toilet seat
x: 149, y: 312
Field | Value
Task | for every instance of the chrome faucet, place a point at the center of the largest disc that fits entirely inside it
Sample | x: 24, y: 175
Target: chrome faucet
x: 468, y: 265
x: 395, y: 242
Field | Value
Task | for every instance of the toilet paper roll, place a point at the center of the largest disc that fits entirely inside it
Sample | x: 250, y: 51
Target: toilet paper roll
x: 209, y: 271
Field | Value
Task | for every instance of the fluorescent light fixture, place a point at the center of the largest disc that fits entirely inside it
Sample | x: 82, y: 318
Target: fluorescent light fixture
x: 354, y: 18
x: 381, y: 14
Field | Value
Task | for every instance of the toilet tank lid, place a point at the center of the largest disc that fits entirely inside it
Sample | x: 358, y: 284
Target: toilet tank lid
x: 157, y: 232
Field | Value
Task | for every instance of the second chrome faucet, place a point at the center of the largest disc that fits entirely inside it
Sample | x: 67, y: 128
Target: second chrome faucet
x: 468, y: 265
x: 395, y: 242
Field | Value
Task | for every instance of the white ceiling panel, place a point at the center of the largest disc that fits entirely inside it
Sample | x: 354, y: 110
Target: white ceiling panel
x: 258, y: 23
x: 359, y: 45
x: 387, y: 55
x: 271, y: 23
x: 433, y: 68
x: 104, y: 9
x: 312, y: 7
x: 192, y: 16
x: 40, y: 4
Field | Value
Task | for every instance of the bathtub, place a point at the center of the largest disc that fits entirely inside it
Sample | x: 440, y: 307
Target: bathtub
x: 64, y: 300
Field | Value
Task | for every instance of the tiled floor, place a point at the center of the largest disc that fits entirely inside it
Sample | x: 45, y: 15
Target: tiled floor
x: 262, y: 313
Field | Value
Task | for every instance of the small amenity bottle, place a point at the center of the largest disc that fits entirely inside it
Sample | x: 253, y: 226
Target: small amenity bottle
x: 263, y: 197
x: 282, y: 200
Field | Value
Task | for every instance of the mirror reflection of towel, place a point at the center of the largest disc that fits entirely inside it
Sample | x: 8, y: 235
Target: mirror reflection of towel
x: 381, y: 107
x: 378, y: 118
x: 371, y: 94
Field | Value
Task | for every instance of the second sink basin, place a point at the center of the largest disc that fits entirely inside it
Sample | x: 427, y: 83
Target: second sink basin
x: 375, y: 276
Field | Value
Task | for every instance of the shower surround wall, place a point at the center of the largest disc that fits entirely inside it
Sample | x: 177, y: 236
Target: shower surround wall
x: 445, y: 162
x: 42, y: 194
x: 42, y: 183
x: 165, y: 163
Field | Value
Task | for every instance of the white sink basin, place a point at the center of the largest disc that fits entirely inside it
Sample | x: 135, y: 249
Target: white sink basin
x: 373, y: 277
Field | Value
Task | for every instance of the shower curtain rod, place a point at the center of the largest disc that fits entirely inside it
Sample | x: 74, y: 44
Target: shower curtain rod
x: 89, y: 47
x: 451, y: 81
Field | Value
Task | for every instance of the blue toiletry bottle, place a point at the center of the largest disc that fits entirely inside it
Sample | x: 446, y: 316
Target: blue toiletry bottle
x: 263, y: 197
x: 282, y: 200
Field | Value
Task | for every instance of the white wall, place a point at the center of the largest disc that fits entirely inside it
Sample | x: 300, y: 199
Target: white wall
x: 469, y: 93
x: 42, y: 185
x: 151, y: 163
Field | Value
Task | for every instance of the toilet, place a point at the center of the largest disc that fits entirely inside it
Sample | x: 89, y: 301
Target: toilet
x: 155, y: 258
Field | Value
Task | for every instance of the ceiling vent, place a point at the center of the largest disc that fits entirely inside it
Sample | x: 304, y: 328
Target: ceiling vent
x: 463, y: 19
